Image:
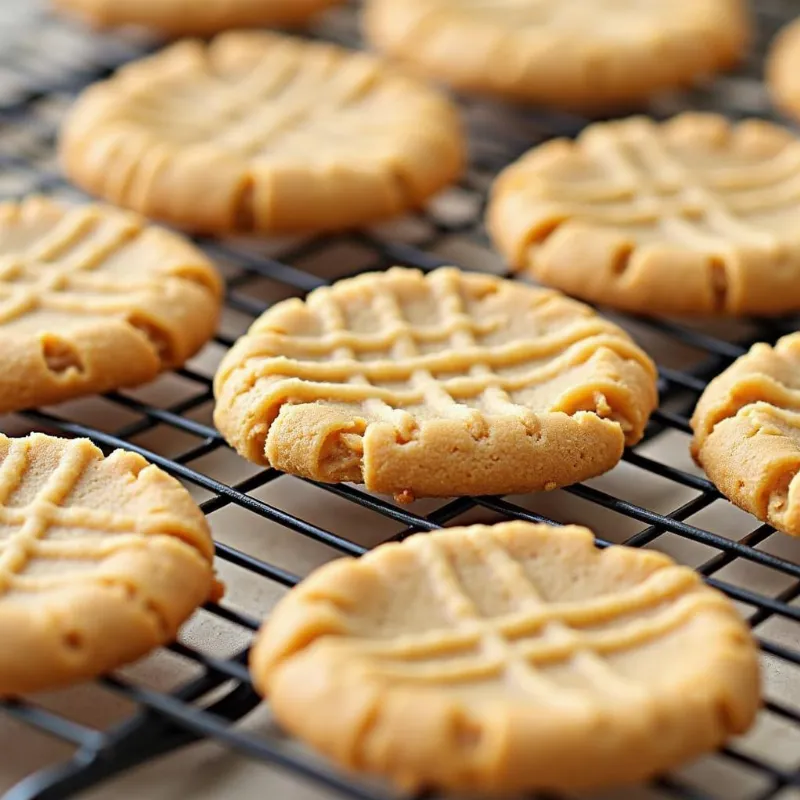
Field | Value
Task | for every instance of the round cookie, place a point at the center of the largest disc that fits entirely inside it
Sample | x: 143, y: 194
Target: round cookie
x: 508, y: 658
x: 783, y: 70
x: 587, y: 55
x: 101, y: 560
x: 695, y: 215
x: 186, y: 17
x: 272, y: 133
x: 94, y: 299
x: 747, y: 433
x: 447, y: 384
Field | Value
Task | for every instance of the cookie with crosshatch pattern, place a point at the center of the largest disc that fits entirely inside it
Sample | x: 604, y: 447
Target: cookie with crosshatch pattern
x: 508, y: 657
x: 262, y: 132
x: 101, y: 560
x: 590, y: 55
x: 747, y: 433
x: 185, y: 17
x: 94, y: 299
x: 693, y: 215
x: 446, y: 384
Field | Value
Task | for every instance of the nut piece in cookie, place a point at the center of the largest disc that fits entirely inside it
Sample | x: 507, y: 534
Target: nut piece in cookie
x: 696, y: 215
x: 747, y: 433
x: 506, y: 658
x: 103, y: 558
x: 446, y: 384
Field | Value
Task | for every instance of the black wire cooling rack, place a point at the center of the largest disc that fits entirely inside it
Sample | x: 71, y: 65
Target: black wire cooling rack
x: 44, y: 62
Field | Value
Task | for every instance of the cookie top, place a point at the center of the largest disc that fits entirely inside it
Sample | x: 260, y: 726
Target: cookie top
x: 101, y: 560
x: 93, y: 299
x: 589, y: 55
x: 446, y: 384
x: 184, y: 17
x: 747, y: 433
x: 492, y: 658
x: 276, y: 134
x: 783, y: 70
x: 693, y: 215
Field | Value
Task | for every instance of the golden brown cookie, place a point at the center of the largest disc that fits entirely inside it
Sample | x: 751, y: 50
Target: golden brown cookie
x: 93, y: 299
x: 747, y: 433
x: 261, y: 132
x: 201, y: 17
x: 696, y: 215
x: 783, y: 70
x: 505, y: 658
x: 101, y: 560
x: 447, y: 384
x: 590, y: 55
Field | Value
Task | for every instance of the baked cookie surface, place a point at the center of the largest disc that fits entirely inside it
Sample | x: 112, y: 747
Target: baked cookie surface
x: 589, y: 55
x: 506, y: 658
x: 447, y: 384
x: 696, y: 215
x: 783, y: 70
x: 101, y: 560
x: 747, y: 433
x: 94, y: 299
x: 186, y: 17
x: 261, y: 132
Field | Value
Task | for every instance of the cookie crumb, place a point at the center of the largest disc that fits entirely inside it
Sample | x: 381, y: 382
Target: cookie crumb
x: 217, y: 590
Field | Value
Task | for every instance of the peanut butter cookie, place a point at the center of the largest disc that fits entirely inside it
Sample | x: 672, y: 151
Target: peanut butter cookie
x: 696, y: 215
x: 506, y: 658
x: 261, y: 132
x: 747, y: 433
x: 188, y: 17
x: 94, y: 299
x: 101, y: 560
x: 447, y: 384
x: 588, y: 55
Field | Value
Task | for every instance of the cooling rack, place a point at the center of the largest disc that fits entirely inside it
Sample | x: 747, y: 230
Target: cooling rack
x: 655, y: 498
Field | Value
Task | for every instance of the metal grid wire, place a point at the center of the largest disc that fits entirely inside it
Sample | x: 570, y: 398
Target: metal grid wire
x: 44, y: 62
